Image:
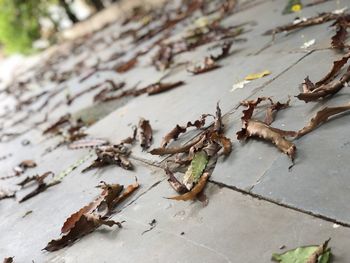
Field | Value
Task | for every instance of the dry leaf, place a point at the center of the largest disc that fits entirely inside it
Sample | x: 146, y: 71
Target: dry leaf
x: 126, y: 66
x: 273, y: 109
x: 209, y: 64
x: 191, y: 195
x: 175, y: 183
x: 145, y: 133
x: 4, y: 194
x: 258, y: 75
x: 342, y: 24
x: 8, y: 260
x: 321, y: 117
x: 111, y: 154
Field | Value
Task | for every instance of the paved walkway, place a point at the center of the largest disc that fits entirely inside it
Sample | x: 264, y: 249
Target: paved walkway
x: 256, y: 204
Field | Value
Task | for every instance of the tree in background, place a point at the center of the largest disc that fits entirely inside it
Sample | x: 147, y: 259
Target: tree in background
x: 19, y: 23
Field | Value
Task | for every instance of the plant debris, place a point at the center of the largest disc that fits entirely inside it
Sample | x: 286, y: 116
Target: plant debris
x: 341, y: 24
x: 145, y: 134
x: 153, y: 224
x: 306, y: 254
x: 327, y: 86
x: 258, y: 75
x: 321, y: 117
x: 95, y: 214
x: 260, y: 129
x: 8, y: 260
x: 305, y: 22
x: 41, y: 185
x: 209, y: 64
x: 116, y: 154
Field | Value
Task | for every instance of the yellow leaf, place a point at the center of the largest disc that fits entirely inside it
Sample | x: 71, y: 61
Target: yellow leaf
x: 258, y: 75
x: 296, y: 8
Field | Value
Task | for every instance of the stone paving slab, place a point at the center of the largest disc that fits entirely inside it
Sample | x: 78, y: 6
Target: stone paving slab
x: 186, y: 232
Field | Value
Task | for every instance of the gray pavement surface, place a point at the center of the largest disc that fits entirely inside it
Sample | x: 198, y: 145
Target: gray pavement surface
x: 256, y: 204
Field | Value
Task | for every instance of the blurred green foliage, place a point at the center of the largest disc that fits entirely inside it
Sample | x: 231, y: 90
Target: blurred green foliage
x: 19, y: 24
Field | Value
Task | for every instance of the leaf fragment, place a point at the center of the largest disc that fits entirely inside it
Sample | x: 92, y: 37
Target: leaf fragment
x: 195, y: 170
x: 8, y: 260
x: 145, y: 134
x: 208, y: 64
x: 197, y: 189
x: 342, y: 23
x: 258, y: 75
x: 321, y: 117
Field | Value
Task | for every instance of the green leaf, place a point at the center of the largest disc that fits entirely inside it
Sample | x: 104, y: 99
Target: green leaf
x: 196, y: 168
x: 301, y: 255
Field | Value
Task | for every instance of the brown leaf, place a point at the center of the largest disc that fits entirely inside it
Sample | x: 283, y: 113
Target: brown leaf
x: 162, y: 87
x: 54, y: 127
x: 41, y: 186
x: 224, y: 141
x: 273, y: 109
x: 173, y: 150
x: 178, y: 187
x: 85, y: 225
x: 255, y: 128
x: 321, y: 117
x: 126, y: 66
x: 318, y: 252
x: 308, y: 85
x: 337, y: 65
x: 130, y: 139
x: 95, y: 214
x: 225, y: 51
x: 4, y: 194
x: 109, y: 193
x: 198, y: 188
x: 145, y: 133
x: 175, y: 132
x: 8, y: 260
x: 326, y: 90
x: 311, y: 21
x: 208, y: 65
x: 342, y: 24
x: 111, y: 154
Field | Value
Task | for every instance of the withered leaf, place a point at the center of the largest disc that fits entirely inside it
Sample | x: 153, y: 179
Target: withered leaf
x: 208, y: 65
x: 4, y: 194
x: 311, y: 21
x: 95, y: 214
x: 54, y: 127
x: 175, y: 132
x: 41, y: 186
x: 175, y: 183
x: 173, y: 150
x: 256, y: 128
x: 8, y: 260
x: 321, y: 117
x: 308, y: 85
x: 225, y: 51
x: 318, y: 252
x: 145, y: 133
x: 111, y: 154
x: 85, y: 225
x: 131, y: 139
x: 162, y: 87
x: 126, y: 66
x: 325, y: 90
x: 271, y: 110
x: 108, y: 194
x: 342, y: 24
x: 198, y: 188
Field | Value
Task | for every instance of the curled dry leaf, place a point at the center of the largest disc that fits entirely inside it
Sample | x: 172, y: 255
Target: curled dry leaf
x: 301, y: 23
x: 54, y: 127
x: 145, y: 133
x: 225, y: 51
x: 131, y: 139
x: 4, y: 194
x: 90, y: 217
x: 273, y: 109
x: 175, y: 183
x: 41, y: 185
x: 111, y: 154
x: 321, y: 249
x: 342, y: 24
x: 197, y: 189
x: 326, y: 90
x: 256, y: 128
x: 321, y: 117
x: 8, y: 260
x: 126, y: 66
x: 85, y: 225
x: 162, y: 87
x: 209, y: 64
